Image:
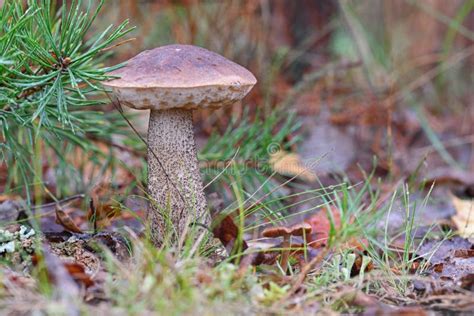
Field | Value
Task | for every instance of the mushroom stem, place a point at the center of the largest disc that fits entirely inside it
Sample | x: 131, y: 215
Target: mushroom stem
x: 285, y: 252
x: 177, y: 193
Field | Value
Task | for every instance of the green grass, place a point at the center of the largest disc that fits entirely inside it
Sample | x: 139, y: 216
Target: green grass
x: 162, y: 281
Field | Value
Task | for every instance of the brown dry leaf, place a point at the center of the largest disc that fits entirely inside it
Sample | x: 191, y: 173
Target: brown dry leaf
x: 78, y: 273
x: 223, y: 225
x: 464, y: 217
x: 449, y: 176
x: 464, y: 253
x: 203, y: 277
x: 103, y: 215
x: 321, y: 225
x: 103, y: 209
x: 291, y: 165
x: 63, y: 219
x: 65, y: 275
x: 225, y: 229
x: 451, y: 261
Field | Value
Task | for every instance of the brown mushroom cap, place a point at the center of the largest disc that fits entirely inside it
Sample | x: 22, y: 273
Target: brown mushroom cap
x: 300, y: 229
x: 180, y: 76
x: 273, y: 232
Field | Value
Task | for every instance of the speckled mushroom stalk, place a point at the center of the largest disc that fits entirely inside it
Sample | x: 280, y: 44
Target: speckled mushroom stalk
x: 172, y: 81
x: 170, y: 134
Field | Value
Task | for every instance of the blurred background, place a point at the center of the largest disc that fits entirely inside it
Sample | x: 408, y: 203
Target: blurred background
x: 391, y: 79
x: 382, y: 87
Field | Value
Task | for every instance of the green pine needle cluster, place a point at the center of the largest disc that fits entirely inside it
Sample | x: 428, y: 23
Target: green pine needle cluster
x: 50, y: 67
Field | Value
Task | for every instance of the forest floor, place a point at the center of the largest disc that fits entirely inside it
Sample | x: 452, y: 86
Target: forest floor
x: 376, y: 246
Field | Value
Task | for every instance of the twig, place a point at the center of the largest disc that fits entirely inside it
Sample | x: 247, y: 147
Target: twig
x: 63, y: 201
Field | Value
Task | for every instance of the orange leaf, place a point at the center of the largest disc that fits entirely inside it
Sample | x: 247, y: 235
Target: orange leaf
x: 78, y: 273
x: 321, y: 226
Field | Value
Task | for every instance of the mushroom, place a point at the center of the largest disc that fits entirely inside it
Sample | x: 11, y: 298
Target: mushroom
x: 172, y: 81
x: 281, y: 231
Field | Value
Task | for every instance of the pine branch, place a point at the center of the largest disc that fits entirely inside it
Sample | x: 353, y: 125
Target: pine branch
x: 49, y: 78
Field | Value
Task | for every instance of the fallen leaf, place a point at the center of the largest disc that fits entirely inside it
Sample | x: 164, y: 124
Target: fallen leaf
x: 228, y: 233
x: 327, y: 149
x: 63, y: 219
x: 78, y: 273
x: 440, y: 251
x: 449, y: 260
x: 57, y: 237
x: 467, y: 282
x: 414, y: 266
x: 65, y: 276
x: 464, y: 253
x: 290, y: 164
x: 438, y: 268
x: 224, y: 228
x: 321, y: 226
x: 102, y: 208
x: 203, y: 277
x: 464, y: 217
